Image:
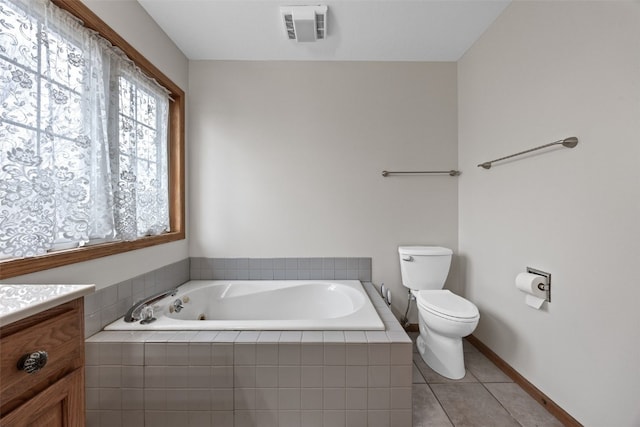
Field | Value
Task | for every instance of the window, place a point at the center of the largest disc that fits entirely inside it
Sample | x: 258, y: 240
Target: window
x: 139, y: 163
x: 91, y: 149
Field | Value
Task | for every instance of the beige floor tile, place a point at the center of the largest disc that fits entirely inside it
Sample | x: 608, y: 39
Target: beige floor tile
x: 471, y: 405
x: 521, y: 406
x: 417, y: 376
x: 433, y: 377
x: 483, y: 369
x: 467, y: 347
x: 427, y: 412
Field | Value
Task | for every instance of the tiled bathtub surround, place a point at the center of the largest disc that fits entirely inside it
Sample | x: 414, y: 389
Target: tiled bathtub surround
x: 251, y: 378
x: 108, y: 304
x: 281, y: 268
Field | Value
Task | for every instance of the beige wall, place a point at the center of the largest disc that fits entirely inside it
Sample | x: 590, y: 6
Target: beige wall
x: 545, y: 71
x: 132, y: 22
x: 286, y: 160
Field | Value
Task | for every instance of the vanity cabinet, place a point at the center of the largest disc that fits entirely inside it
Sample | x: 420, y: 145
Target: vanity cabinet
x: 53, y: 395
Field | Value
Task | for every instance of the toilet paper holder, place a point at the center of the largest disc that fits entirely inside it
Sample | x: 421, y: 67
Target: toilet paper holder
x: 547, y: 287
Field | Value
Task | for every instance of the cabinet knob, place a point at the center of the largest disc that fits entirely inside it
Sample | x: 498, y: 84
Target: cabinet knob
x: 33, y: 362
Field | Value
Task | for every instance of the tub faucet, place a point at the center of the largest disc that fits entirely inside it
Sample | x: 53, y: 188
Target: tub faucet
x: 135, y: 313
x: 177, y: 305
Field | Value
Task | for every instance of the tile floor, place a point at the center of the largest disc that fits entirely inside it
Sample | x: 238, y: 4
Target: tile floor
x: 485, y: 397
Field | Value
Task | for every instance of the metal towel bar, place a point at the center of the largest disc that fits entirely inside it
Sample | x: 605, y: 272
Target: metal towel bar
x: 570, y: 142
x: 450, y: 173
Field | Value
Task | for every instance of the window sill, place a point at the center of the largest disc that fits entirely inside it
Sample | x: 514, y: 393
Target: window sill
x: 17, y: 267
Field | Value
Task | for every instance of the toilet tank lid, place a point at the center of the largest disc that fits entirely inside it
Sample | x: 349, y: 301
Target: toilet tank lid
x: 424, y: 250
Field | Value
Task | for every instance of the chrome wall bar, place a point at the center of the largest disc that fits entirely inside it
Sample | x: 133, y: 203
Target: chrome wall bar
x: 570, y: 142
x: 450, y: 173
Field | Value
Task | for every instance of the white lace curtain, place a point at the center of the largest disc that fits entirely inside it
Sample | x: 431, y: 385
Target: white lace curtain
x: 83, y: 136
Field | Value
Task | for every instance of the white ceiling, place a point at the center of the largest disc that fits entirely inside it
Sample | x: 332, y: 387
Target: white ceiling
x: 357, y: 30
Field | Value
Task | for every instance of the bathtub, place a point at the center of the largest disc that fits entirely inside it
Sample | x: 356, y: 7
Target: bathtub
x: 263, y: 305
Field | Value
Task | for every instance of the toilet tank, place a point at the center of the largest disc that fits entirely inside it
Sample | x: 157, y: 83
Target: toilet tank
x: 424, y: 267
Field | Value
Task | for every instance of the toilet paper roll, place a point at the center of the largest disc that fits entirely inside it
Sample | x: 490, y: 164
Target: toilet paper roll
x: 531, y: 284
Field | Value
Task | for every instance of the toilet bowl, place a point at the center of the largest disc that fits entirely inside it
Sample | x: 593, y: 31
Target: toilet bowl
x: 444, y: 317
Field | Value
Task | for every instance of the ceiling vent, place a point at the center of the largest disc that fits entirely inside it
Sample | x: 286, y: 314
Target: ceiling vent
x: 305, y: 23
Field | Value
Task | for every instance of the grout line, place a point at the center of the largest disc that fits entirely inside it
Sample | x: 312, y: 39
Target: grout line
x: 560, y: 414
x: 483, y: 383
x: 440, y: 403
x: 500, y: 403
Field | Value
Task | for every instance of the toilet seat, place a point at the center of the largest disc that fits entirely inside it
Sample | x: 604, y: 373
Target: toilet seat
x: 446, y: 304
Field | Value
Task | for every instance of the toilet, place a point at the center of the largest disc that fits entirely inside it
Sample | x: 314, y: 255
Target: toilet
x: 444, y: 317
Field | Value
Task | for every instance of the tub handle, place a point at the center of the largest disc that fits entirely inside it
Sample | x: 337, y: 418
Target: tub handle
x: 407, y: 258
x: 176, y: 306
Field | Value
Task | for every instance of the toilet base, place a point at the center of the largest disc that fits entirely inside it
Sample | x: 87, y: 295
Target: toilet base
x: 442, y: 354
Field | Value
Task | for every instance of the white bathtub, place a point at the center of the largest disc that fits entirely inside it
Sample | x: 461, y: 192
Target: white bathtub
x: 264, y: 305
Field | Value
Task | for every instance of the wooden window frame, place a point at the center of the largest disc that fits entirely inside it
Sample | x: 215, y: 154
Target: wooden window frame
x: 16, y: 267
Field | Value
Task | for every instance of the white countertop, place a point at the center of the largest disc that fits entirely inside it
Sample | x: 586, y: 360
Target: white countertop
x: 20, y: 301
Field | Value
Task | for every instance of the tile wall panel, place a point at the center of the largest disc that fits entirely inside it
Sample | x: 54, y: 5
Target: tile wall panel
x: 281, y: 269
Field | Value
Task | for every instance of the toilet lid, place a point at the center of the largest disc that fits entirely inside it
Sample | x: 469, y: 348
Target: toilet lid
x: 447, y: 303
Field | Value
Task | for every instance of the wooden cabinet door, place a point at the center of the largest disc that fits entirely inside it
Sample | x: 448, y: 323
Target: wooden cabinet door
x: 60, y: 405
